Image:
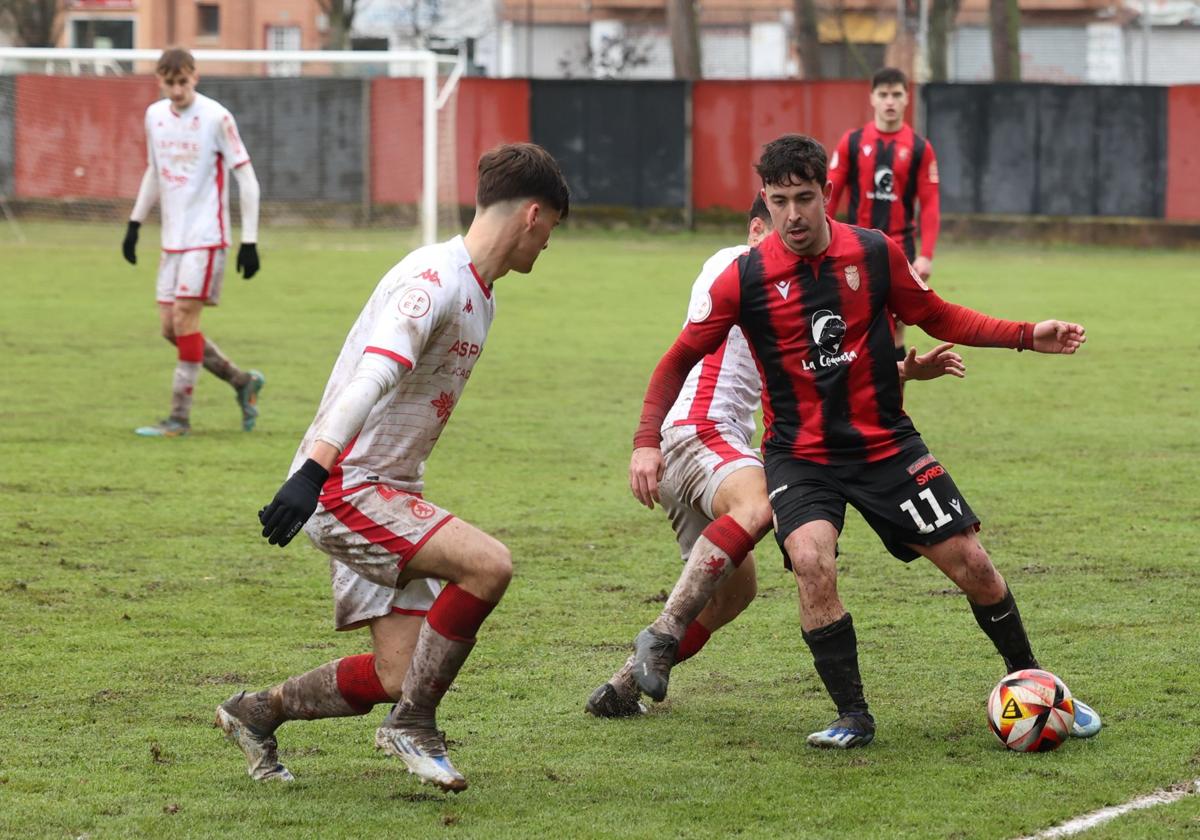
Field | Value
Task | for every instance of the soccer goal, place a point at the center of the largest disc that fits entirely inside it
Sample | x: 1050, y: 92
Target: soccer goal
x: 349, y: 138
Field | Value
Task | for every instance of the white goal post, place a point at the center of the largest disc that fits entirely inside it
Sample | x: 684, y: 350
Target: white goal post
x: 430, y: 66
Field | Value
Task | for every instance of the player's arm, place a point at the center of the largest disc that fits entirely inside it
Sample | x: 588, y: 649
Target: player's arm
x: 709, y: 321
x: 839, y: 167
x: 147, y: 197
x: 915, y: 303
x: 392, y: 351
x: 248, y: 194
x: 928, y: 195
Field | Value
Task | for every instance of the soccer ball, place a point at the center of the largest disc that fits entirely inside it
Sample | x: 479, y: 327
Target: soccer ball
x: 1031, y: 711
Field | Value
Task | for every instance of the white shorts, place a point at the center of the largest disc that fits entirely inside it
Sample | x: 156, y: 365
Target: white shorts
x: 697, y: 460
x: 370, y: 535
x: 191, y: 275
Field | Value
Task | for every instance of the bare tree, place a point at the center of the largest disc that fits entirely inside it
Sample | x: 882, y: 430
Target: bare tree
x: 808, y: 44
x: 614, y: 58
x: 685, y: 38
x: 37, y: 23
x: 941, y: 23
x: 340, y: 14
x: 1006, y: 40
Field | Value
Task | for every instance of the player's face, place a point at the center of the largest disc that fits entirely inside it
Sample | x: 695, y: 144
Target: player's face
x: 180, y: 88
x: 798, y: 213
x: 889, y: 102
x: 539, y: 221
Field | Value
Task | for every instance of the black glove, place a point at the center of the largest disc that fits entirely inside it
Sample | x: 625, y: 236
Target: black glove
x: 293, y: 504
x: 129, y: 246
x: 247, y: 261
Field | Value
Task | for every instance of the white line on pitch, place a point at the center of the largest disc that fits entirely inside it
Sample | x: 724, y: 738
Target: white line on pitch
x: 1103, y: 815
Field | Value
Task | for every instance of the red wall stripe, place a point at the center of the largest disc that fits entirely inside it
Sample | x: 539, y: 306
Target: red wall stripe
x: 1183, y: 154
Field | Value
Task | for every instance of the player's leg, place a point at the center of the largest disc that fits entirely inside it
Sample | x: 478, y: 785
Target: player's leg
x: 478, y: 569
x: 719, y: 550
x: 963, y: 559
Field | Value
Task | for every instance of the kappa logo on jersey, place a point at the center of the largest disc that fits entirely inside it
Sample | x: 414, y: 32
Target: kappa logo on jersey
x: 784, y: 286
x: 701, y: 308
x: 828, y: 330
x: 444, y: 403
x: 195, y: 125
x: 917, y: 277
x: 885, y: 182
x: 467, y: 307
x: 852, y: 279
x: 415, y: 303
x: 432, y: 276
x: 465, y: 349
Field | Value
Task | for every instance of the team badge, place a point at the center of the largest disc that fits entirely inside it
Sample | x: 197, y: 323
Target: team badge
x: 903, y: 153
x: 852, y: 279
x: 701, y: 308
x: 422, y: 509
x: 415, y: 303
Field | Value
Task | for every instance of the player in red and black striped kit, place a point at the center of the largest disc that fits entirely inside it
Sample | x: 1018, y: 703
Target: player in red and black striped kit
x: 814, y: 302
x: 886, y: 169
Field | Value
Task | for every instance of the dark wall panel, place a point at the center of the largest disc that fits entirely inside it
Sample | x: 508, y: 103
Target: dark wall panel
x: 305, y: 136
x: 8, y: 104
x: 1049, y: 149
x: 619, y: 143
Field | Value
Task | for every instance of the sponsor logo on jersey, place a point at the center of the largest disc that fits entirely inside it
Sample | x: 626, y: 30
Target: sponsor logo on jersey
x: 784, y: 286
x: 465, y: 349
x: 444, y: 403
x: 916, y: 466
x: 701, y: 308
x: 828, y: 331
x: 885, y: 183
x: 415, y: 303
x: 432, y: 276
x: 852, y: 278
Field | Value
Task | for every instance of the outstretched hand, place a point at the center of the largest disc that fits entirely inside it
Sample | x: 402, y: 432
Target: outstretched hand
x: 1058, y: 337
x: 645, y: 471
x: 939, y: 361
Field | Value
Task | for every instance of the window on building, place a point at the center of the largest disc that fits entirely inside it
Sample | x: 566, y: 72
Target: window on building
x: 208, y: 19
x: 283, y: 38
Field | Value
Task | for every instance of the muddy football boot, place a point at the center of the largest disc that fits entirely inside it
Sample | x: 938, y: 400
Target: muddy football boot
x: 423, y: 751
x: 1087, y: 722
x: 164, y: 428
x: 608, y: 701
x: 845, y: 732
x: 653, y: 656
x: 247, y: 399
x: 261, y: 751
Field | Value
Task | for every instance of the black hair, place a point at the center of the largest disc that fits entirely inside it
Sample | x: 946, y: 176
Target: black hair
x: 791, y: 158
x: 889, y: 76
x: 521, y: 170
x: 758, y: 210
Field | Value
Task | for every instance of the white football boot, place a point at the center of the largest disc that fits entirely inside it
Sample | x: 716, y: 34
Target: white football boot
x: 261, y: 751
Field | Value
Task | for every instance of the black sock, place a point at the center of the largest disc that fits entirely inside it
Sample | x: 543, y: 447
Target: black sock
x: 1002, y: 624
x: 835, y: 653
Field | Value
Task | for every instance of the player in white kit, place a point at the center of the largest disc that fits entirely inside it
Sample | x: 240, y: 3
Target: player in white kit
x: 192, y: 145
x: 711, y: 471
x: 399, y: 376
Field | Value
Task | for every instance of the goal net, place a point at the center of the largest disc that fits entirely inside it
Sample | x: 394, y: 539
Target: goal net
x: 336, y: 138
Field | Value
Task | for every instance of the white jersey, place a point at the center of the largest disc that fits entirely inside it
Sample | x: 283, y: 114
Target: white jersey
x: 192, y: 152
x: 724, y: 386
x: 431, y: 313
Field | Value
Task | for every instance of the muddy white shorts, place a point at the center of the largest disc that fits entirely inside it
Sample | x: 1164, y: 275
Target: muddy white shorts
x: 191, y: 275
x: 696, y: 460
x: 370, y: 535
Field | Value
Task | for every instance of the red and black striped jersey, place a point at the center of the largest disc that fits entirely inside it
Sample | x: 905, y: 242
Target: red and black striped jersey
x: 821, y: 336
x: 885, y: 174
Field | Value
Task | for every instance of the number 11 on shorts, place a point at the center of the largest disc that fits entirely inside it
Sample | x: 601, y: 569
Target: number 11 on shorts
x: 922, y: 526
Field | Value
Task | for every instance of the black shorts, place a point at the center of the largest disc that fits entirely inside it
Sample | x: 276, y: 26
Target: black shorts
x: 908, y: 498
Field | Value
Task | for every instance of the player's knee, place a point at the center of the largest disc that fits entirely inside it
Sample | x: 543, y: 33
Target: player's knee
x: 498, y: 567
x: 755, y: 519
x: 168, y: 332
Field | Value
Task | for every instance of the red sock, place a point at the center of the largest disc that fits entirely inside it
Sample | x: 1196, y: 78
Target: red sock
x: 191, y: 347
x: 726, y: 534
x: 694, y: 638
x: 457, y: 614
x: 359, y: 684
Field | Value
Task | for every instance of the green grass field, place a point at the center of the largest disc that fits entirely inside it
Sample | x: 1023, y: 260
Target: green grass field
x: 136, y: 594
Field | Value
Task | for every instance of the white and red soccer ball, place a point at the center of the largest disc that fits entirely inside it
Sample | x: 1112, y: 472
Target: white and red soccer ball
x: 1031, y: 711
